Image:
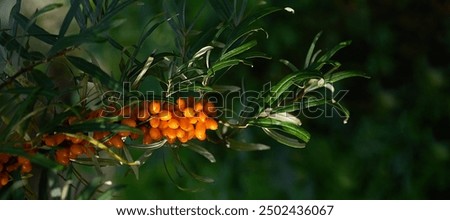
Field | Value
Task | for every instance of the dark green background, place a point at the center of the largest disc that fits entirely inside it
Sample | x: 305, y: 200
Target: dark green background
x: 396, y: 144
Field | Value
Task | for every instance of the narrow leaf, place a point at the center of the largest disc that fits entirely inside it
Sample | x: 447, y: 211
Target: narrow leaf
x: 283, y: 139
x: 201, y: 150
x: 242, y: 146
x: 95, y: 72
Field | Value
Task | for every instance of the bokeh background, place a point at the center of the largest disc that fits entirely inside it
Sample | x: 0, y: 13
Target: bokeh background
x: 396, y: 144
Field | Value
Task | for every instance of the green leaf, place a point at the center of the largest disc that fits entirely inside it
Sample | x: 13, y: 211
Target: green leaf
x: 242, y: 146
x: 333, y: 51
x: 334, y: 77
x: 287, y: 127
x: 201, y: 150
x: 74, y: 8
x: 284, y: 139
x: 34, y: 30
x: 128, y: 156
x: 223, y: 64
x: 238, y: 50
x: 46, y: 9
x: 288, y: 81
x: 311, y: 50
x: 95, y: 72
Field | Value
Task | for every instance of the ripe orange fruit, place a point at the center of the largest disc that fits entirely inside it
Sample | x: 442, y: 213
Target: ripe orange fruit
x: 154, y: 107
x: 26, y: 167
x: 202, y: 116
x: 128, y: 122
x: 180, y: 133
x: 198, y: 106
x: 189, y: 112
x: 147, y: 139
x: 76, y: 149
x: 62, y: 156
x: 4, y: 179
x: 74, y: 140
x: 209, y: 109
x: 49, y: 140
x: 200, y: 131
x: 115, y: 141
x: 142, y: 114
x: 173, y: 123
x: 211, y: 124
x: 163, y: 125
x: 170, y: 133
x: 99, y: 135
x: 154, y: 122
x: 185, y: 124
x: 165, y: 115
x: 181, y: 104
x: 155, y: 134
x: 193, y: 120
x: 59, y: 138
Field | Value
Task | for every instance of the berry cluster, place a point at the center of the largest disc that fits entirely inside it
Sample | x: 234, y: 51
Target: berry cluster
x: 180, y: 121
x: 10, y: 163
x: 69, y: 147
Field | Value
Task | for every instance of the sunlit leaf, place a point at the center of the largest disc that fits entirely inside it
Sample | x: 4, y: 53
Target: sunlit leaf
x: 201, y: 150
x: 291, y: 142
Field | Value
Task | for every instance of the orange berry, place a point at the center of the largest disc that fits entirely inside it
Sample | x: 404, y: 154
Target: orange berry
x: 181, y: 104
x: 147, y: 139
x: 200, y: 131
x: 4, y: 179
x: 170, y: 133
x: 155, y: 134
x: 125, y: 112
x: 49, y: 140
x: 115, y: 141
x: 59, y: 138
x: 143, y: 114
x: 154, y: 122
x: 76, y: 149
x: 202, y: 116
x: 62, y: 156
x: 26, y: 168
x: 173, y: 123
x: 209, y: 109
x: 211, y: 124
x: 185, y: 124
x: 178, y: 114
x: 99, y: 135
x: 198, y: 106
x: 163, y: 125
x: 193, y: 120
x: 181, y: 133
x: 74, y: 140
x: 22, y: 160
x: 189, y: 112
x: 128, y: 122
x: 154, y: 107
x: 191, y: 134
x: 183, y: 139
x: 165, y: 115
x: 12, y: 167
